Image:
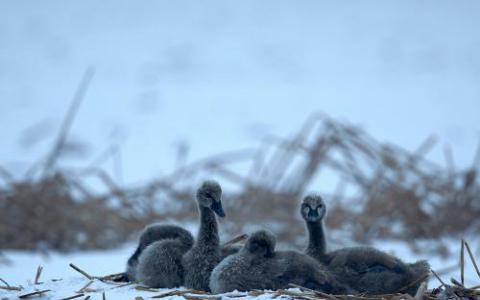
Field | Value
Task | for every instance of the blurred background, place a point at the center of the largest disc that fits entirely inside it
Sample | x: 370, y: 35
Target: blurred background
x: 112, y: 113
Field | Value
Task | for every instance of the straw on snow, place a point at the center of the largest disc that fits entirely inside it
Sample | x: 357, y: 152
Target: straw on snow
x: 456, y: 290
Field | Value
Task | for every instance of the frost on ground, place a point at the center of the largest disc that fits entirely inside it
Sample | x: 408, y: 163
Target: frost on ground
x: 62, y: 281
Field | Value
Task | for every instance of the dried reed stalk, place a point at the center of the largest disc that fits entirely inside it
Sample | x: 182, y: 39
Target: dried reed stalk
x: 81, y: 271
x: 472, y: 258
x: 10, y: 288
x: 236, y: 239
x: 438, y: 277
x: 462, y: 262
x: 73, y: 297
x: 68, y: 121
x: 33, y: 294
x: 85, y: 287
x: 146, y: 289
x: 37, y: 275
x: 6, y: 283
x: 122, y: 285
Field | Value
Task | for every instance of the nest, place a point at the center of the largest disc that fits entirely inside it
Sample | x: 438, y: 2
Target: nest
x: 107, y: 287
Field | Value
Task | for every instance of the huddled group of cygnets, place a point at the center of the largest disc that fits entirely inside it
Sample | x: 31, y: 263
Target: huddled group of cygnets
x: 168, y: 256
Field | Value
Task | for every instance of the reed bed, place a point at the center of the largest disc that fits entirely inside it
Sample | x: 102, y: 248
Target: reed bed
x: 381, y: 191
x: 378, y: 186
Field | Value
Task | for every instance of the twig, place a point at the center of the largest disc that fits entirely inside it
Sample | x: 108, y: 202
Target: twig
x: 103, y: 296
x: 462, y: 262
x: 472, y: 258
x: 86, y: 298
x: 33, y: 294
x: 179, y: 293
x: 67, y: 122
x: 168, y: 294
x: 10, y: 288
x: 145, y: 288
x: 198, y: 292
x: 201, y: 297
x: 438, y: 277
x: 456, y: 283
x: 81, y: 271
x: 85, y: 286
x: 425, y: 147
x: 235, y: 240
x: 122, y: 285
x: 73, y: 297
x: 111, y: 276
x: 6, y: 283
x: 37, y: 275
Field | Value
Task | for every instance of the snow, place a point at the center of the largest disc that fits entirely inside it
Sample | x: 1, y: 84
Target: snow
x: 99, y: 263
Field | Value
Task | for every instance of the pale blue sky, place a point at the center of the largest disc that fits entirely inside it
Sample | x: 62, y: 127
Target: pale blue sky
x: 220, y: 74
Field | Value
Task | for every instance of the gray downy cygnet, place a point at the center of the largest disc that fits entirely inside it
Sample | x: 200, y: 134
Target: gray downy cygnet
x: 153, y: 233
x: 205, y: 254
x: 258, y: 266
x: 159, y: 265
x: 365, y: 269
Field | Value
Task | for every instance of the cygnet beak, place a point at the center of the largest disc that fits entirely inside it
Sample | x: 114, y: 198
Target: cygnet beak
x: 218, y: 209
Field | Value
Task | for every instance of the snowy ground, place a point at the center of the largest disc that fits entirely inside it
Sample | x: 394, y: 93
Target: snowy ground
x: 23, y: 268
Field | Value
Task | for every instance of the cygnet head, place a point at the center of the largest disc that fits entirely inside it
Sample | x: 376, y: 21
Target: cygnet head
x: 261, y: 243
x: 313, y: 208
x: 210, y: 195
